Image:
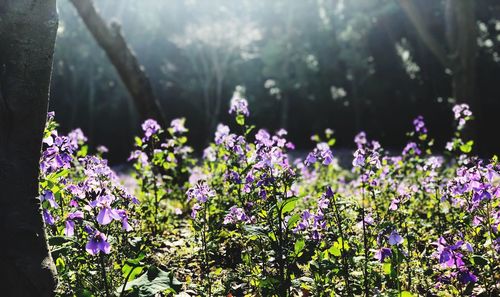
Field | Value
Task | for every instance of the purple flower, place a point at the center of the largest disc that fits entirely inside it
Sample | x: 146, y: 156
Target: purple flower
x: 368, y: 221
x: 419, y: 125
x: 263, y: 139
x: 263, y: 194
x: 359, y: 158
x: 102, y: 149
x: 329, y: 192
x: 150, y: 127
x: 69, y: 229
x: 49, y: 196
x: 395, y: 238
x: 323, y: 203
x: 465, y: 276
x: 304, y: 222
x: 48, y: 218
x: 394, y: 204
x: 58, y: 155
x: 383, y: 253
x: 210, y: 154
x: 50, y: 115
x: 462, y: 114
x: 98, y: 243
x: 448, y: 254
x: 139, y: 156
x: 76, y: 138
x: 236, y: 214
x: 360, y: 139
x: 239, y: 106
x: 194, y: 210
x: 325, y: 153
x: 221, y: 134
x: 177, y: 125
x: 411, y: 147
x: 322, y: 152
x: 311, y: 159
x: 124, y: 218
x: 106, y: 213
x: 201, y: 192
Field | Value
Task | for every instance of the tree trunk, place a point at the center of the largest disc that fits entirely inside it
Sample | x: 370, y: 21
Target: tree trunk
x: 27, y: 34
x: 461, y: 36
x: 460, y: 58
x: 123, y: 59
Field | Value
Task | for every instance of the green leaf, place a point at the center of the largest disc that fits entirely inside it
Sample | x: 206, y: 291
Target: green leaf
x: 292, y: 220
x: 406, y: 294
x: 467, y: 147
x: 387, y: 268
x: 154, y: 281
x: 84, y: 293
x: 131, y: 271
x: 138, y: 141
x: 240, y: 119
x: 249, y: 129
x: 479, y: 260
x: 335, y: 250
x: 287, y: 205
x: 299, y: 246
x: 83, y: 151
x: 58, y: 240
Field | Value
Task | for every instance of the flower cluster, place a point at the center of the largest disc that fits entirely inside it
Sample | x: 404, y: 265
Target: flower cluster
x: 410, y: 223
x: 462, y: 114
x: 239, y: 106
x: 83, y: 202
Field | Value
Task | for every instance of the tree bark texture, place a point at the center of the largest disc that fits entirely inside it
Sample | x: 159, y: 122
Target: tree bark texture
x: 27, y: 35
x: 111, y: 40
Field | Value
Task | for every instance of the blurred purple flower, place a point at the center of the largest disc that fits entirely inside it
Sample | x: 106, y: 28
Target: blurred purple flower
x: 150, y: 127
x: 239, y: 106
x: 383, y: 253
x: 419, y: 125
x: 177, y: 125
x: 395, y: 238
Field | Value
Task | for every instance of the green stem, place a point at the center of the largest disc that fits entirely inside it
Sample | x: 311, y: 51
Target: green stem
x: 342, y: 251
x: 103, y: 274
x: 365, y: 243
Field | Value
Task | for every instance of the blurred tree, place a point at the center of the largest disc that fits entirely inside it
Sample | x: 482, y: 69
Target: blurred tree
x: 212, y: 45
x: 124, y: 60
x: 460, y: 53
x: 341, y: 64
x: 28, y: 31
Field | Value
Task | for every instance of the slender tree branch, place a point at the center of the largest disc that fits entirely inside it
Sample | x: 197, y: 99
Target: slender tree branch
x: 123, y: 59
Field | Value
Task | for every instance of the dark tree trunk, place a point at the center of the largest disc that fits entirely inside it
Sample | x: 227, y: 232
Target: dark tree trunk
x: 459, y: 56
x: 111, y: 40
x: 461, y: 35
x: 27, y: 34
